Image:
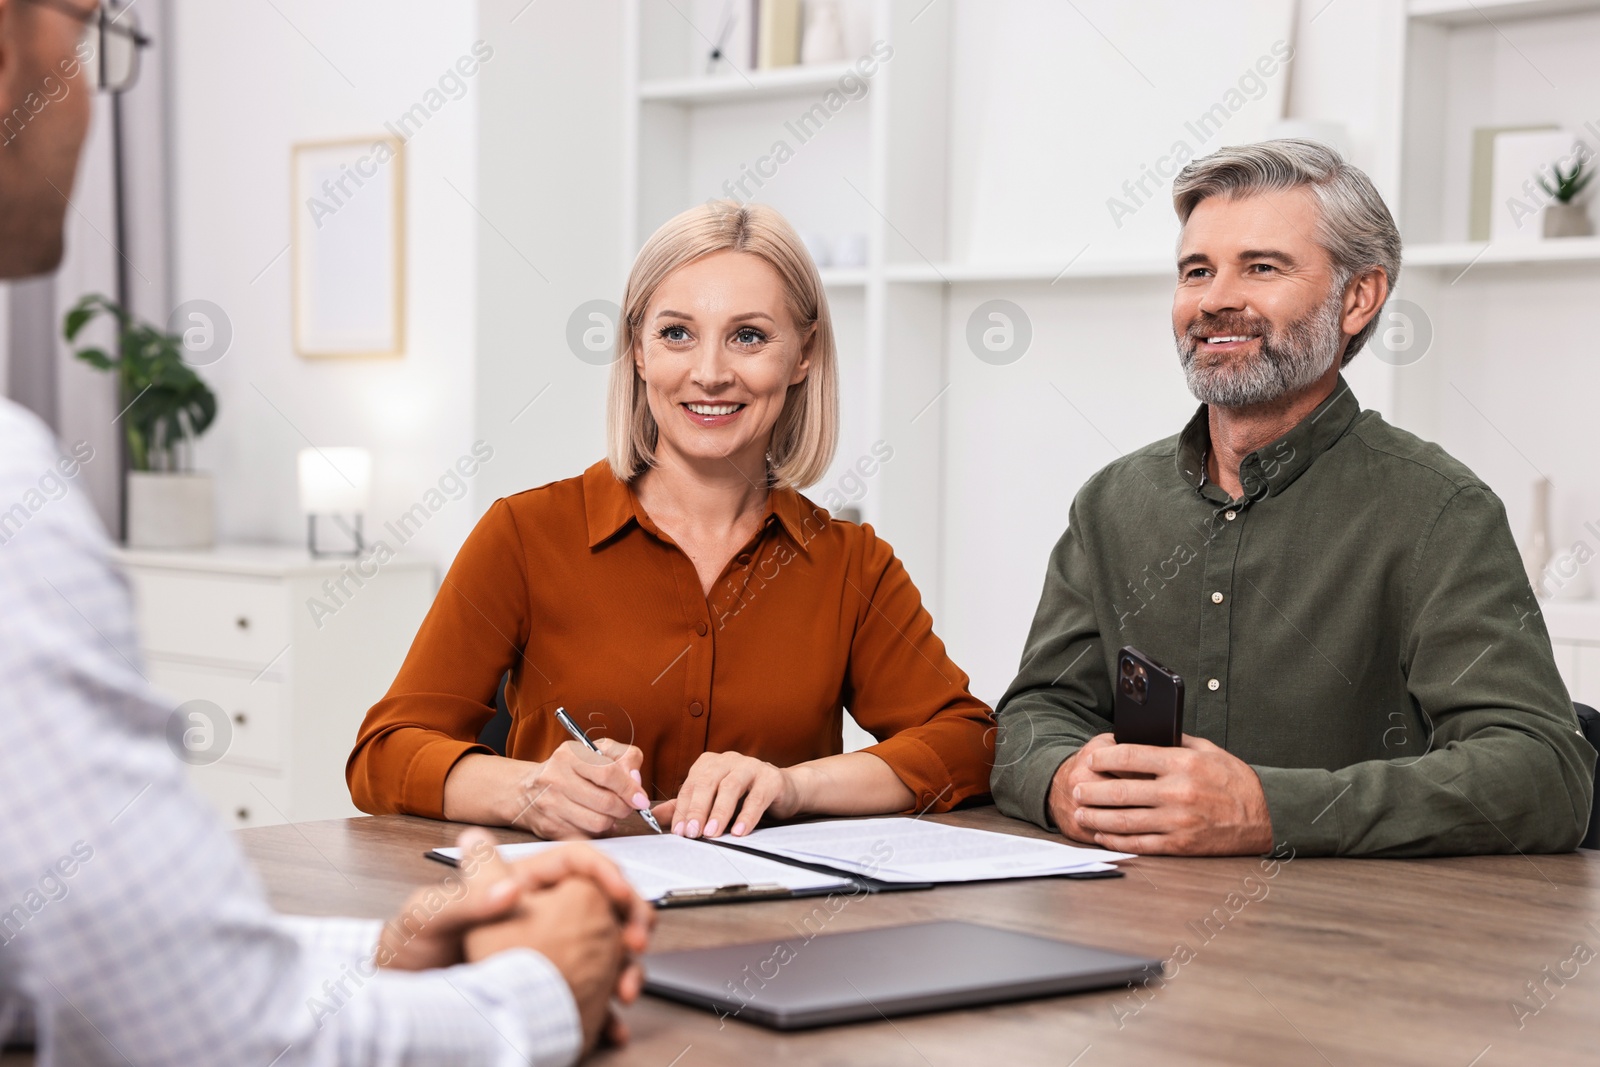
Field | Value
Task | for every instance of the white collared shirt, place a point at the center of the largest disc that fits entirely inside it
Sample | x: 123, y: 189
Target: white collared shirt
x: 131, y: 929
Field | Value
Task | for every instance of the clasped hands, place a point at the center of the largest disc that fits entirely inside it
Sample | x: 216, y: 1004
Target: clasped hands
x: 1193, y: 800
x: 571, y: 904
x: 579, y: 793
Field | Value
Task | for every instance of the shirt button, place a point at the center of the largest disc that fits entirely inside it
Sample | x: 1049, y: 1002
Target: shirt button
x: 1230, y: 514
x: 1212, y: 685
x: 697, y: 710
x: 1216, y: 598
x: 700, y: 627
x: 743, y: 559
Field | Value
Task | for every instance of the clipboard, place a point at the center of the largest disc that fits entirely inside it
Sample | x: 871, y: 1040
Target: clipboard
x: 842, y: 882
x: 674, y: 872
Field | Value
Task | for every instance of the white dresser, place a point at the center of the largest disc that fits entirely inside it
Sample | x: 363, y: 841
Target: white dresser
x: 291, y: 651
x: 1575, y: 635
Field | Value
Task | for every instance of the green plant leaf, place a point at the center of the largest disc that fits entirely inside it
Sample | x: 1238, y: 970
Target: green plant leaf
x: 76, y: 319
x: 165, y: 401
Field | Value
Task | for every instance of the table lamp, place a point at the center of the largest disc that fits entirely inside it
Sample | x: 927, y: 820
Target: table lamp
x: 335, y: 484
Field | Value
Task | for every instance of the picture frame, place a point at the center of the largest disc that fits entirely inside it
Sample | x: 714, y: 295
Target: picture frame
x: 348, y: 248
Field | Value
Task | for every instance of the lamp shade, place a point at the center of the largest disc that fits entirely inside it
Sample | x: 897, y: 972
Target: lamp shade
x: 334, y: 480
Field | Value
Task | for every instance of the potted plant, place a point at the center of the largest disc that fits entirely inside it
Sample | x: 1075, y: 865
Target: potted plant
x: 165, y: 405
x: 1566, y: 217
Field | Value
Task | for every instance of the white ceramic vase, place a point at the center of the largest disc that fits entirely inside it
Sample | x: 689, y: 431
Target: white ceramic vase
x: 171, y: 510
x: 1567, y: 220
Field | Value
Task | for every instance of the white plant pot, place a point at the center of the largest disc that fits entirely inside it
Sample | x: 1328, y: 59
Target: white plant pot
x: 167, y: 510
x: 1567, y: 220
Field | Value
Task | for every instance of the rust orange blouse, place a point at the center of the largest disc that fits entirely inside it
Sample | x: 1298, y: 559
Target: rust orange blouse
x: 591, y: 606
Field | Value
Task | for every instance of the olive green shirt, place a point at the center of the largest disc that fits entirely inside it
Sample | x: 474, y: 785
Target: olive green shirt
x: 1357, y: 627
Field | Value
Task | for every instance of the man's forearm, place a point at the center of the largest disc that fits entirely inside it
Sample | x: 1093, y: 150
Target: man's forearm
x: 1506, y: 792
x: 1032, y: 740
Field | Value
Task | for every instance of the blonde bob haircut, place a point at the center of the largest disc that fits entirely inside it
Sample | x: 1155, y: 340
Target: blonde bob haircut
x: 807, y: 430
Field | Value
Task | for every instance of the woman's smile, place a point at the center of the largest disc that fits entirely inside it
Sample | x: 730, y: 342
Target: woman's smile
x: 711, y: 414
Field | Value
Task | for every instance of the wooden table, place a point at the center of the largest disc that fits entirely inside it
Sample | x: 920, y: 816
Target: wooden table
x: 1343, y: 962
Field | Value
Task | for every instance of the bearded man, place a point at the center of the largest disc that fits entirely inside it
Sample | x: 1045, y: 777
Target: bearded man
x: 1367, y: 671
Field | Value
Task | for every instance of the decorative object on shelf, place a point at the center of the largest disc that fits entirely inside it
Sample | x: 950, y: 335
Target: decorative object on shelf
x: 730, y: 52
x: 823, y: 40
x: 850, y: 249
x: 1521, y: 158
x: 165, y: 406
x: 348, y: 227
x: 1482, y: 187
x: 1567, y: 217
x: 778, y: 34
x: 335, y: 484
x: 817, y: 244
x: 1536, y: 547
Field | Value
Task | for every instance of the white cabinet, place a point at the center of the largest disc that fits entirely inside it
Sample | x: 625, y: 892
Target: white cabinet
x: 1575, y: 635
x: 289, y: 651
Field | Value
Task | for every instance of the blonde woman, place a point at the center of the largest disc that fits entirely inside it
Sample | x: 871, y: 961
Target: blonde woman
x: 705, y: 623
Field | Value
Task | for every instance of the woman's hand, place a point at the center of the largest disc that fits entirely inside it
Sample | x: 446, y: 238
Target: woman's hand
x: 727, y: 790
x: 578, y: 793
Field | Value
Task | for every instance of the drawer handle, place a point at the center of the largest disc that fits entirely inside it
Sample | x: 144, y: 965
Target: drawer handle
x: 243, y: 814
x: 242, y: 622
x: 239, y: 718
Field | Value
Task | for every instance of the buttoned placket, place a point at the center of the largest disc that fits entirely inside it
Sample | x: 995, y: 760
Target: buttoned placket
x: 1224, y: 531
x: 701, y: 627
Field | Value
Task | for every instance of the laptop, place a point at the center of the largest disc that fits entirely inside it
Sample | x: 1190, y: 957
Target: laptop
x: 795, y: 983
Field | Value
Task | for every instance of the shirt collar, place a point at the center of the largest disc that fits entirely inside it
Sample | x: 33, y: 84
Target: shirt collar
x: 610, y: 505
x: 1270, y: 469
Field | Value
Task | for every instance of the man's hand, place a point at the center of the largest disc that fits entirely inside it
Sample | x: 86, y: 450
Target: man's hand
x: 1196, y: 800
x: 575, y: 926
x: 1074, y: 772
x: 492, y: 908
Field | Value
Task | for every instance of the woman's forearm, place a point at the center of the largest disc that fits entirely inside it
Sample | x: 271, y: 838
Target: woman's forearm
x: 484, y: 789
x: 851, y: 783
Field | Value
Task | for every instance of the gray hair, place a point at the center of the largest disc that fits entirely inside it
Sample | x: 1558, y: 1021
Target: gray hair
x: 1354, y: 227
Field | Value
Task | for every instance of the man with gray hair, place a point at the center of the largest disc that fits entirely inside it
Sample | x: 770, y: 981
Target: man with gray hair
x: 1367, y: 671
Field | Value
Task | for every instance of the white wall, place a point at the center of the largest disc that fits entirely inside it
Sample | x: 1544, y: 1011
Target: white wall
x: 550, y: 180
x: 1054, y: 108
x: 250, y: 80
x: 1048, y: 118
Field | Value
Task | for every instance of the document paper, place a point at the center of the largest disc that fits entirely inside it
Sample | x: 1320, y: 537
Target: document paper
x: 660, y: 864
x: 912, y: 850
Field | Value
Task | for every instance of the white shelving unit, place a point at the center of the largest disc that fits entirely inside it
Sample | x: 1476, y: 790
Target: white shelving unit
x: 746, y: 85
x: 1508, y: 386
x: 1507, y: 320
x: 687, y: 134
x: 1465, y: 12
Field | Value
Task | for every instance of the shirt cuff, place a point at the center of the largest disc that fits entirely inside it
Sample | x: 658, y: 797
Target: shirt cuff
x: 523, y: 997
x: 1303, y: 805
x: 1023, y: 791
x: 438, y: 1016
x: 422, y: 789
x: 919, y: 768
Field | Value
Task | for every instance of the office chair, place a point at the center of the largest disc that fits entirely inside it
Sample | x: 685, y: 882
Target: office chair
x: 497, y: 731
x: 1589, y: 723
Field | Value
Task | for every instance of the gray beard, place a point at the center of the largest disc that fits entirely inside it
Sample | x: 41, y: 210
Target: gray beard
x: 1288, y: 360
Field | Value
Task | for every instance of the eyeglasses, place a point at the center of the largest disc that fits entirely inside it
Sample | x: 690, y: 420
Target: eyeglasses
x: 111, y: 42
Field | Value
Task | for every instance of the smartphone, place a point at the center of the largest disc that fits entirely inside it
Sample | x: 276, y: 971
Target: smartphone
x: 1148, y: 709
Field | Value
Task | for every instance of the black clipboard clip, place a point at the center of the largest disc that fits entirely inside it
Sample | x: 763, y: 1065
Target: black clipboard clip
x: 717, y: 894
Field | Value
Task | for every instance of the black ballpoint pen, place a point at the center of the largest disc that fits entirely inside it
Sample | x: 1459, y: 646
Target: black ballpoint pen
x: 572, y: 728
